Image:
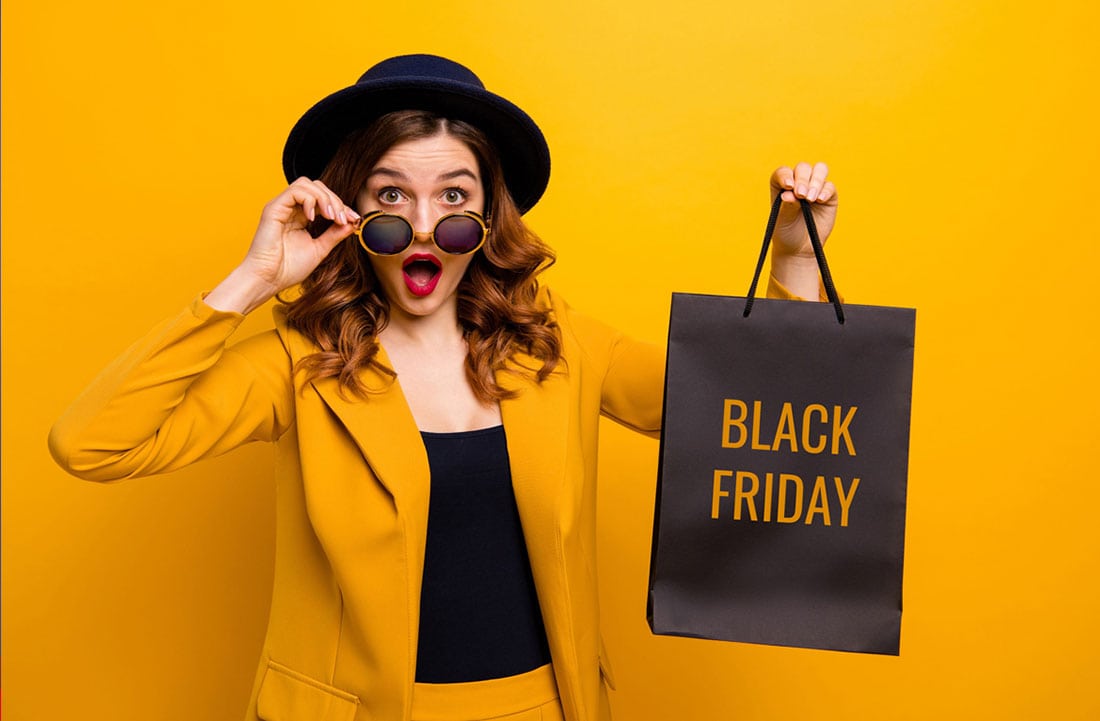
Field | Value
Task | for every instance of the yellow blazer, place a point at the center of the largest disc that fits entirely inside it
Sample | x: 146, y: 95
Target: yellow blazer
x: 352, y: 494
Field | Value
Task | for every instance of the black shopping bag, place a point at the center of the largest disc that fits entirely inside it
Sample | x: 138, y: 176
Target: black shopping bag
x: 780, y: 513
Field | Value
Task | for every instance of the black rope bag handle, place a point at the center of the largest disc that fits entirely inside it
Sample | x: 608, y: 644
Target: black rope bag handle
x: 819, y: 253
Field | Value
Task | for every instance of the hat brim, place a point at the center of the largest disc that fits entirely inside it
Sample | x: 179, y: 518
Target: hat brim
x: 524, y: 155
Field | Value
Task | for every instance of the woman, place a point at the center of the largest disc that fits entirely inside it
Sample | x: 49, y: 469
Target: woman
x: 417, y: 352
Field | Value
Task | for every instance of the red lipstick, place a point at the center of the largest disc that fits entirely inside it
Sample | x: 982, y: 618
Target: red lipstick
x: 421, y: 272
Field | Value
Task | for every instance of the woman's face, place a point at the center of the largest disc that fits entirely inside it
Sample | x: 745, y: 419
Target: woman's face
x: 423, y: 180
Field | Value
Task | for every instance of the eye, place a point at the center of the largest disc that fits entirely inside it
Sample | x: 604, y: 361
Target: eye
x: 390, y: 196
x: 454, y: 196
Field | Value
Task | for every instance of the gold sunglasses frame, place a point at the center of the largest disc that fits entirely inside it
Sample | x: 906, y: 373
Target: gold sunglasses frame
x: 374, y: 214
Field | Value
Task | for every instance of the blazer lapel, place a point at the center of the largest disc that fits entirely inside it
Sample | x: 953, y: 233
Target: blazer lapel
x: 385, y: 432
x: 535, y: 423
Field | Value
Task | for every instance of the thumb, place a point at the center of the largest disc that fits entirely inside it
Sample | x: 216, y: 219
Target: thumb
x: 332, y: 236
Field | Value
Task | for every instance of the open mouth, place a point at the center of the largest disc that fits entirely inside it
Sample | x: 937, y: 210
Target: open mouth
x: 422, y: 272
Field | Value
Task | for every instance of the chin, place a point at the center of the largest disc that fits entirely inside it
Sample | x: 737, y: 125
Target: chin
x: 413, y: 305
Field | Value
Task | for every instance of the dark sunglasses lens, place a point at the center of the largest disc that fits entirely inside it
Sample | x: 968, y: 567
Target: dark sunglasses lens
x: 387, y: 234
x: 458, y: 234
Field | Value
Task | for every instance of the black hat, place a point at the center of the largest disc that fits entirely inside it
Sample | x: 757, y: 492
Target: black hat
x: 435, y: 84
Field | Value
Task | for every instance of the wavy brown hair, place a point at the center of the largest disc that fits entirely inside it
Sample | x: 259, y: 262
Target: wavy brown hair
x: 341, y: 306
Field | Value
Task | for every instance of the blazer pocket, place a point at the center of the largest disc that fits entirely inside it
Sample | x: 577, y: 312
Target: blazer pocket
x: 286, y: 695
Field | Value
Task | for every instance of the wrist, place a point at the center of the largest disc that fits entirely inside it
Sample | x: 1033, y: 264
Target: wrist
x: 240, y: 292
x: 797, y: 273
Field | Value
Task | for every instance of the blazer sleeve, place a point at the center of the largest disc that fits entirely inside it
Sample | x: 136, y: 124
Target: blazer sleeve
x: 631, y: 373
x: 779, y: 291
x: 176, y: 396
x: 632, y: 390
x: 634, y: 385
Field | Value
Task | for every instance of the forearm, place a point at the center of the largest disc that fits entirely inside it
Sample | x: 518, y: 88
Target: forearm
x: 118, y: 426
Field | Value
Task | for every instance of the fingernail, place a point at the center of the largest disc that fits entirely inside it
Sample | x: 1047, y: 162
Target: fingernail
x: 329, y: 213
x: 801, y: 190
x: 812, y: 195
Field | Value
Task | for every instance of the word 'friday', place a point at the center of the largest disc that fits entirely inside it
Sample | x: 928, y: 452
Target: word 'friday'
x: 782, y: 501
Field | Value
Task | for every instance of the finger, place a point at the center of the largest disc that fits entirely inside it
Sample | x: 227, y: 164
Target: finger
x: 818, y: 175
x: 802, y: 174
x: 828, y: 194
x: 327, y: 205
x: 311, y: 195
x: 336, y: 210
x: 314, y: 198
x: 333, y: 235
x: 343, y: 214
x: 782, y: 179
x: 284, y: 207
x: 306, y: 201
x: 334, y: 207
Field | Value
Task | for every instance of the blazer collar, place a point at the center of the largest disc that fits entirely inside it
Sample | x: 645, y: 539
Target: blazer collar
x: 385, y: 432
x: 535, y: 423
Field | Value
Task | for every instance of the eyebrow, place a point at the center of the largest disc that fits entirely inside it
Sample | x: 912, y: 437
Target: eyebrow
x: 450, y: 175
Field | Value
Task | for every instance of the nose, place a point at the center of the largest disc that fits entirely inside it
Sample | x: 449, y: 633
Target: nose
x: 423, y: 223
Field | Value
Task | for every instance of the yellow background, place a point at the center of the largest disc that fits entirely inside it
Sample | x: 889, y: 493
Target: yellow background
x: 140, y: 140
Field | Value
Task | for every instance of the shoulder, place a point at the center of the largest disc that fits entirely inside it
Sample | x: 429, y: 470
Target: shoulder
x: 295, y: 344
x: 263, y: 357
x: 583, y: 332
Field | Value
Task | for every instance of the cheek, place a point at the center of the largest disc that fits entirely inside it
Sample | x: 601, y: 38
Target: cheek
x: 460, y: 265
x: 383, y: 267
x: 363, y: 203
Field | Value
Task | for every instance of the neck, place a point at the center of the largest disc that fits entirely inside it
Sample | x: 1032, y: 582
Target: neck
x: 438, y: 330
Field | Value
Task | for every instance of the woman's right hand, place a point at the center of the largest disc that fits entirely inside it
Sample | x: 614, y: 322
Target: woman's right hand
x: 283, y: 252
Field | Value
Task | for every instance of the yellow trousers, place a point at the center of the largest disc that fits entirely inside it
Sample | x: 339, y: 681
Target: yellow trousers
x: 531, y: 696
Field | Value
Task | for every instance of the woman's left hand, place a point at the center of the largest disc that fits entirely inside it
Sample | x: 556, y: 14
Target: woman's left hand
x: 793, y: 262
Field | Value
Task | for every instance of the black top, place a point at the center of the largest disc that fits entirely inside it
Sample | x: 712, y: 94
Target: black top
x: 479, y: 615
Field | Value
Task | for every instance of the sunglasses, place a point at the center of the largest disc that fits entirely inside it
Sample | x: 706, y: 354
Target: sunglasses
x: 388, y: 234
